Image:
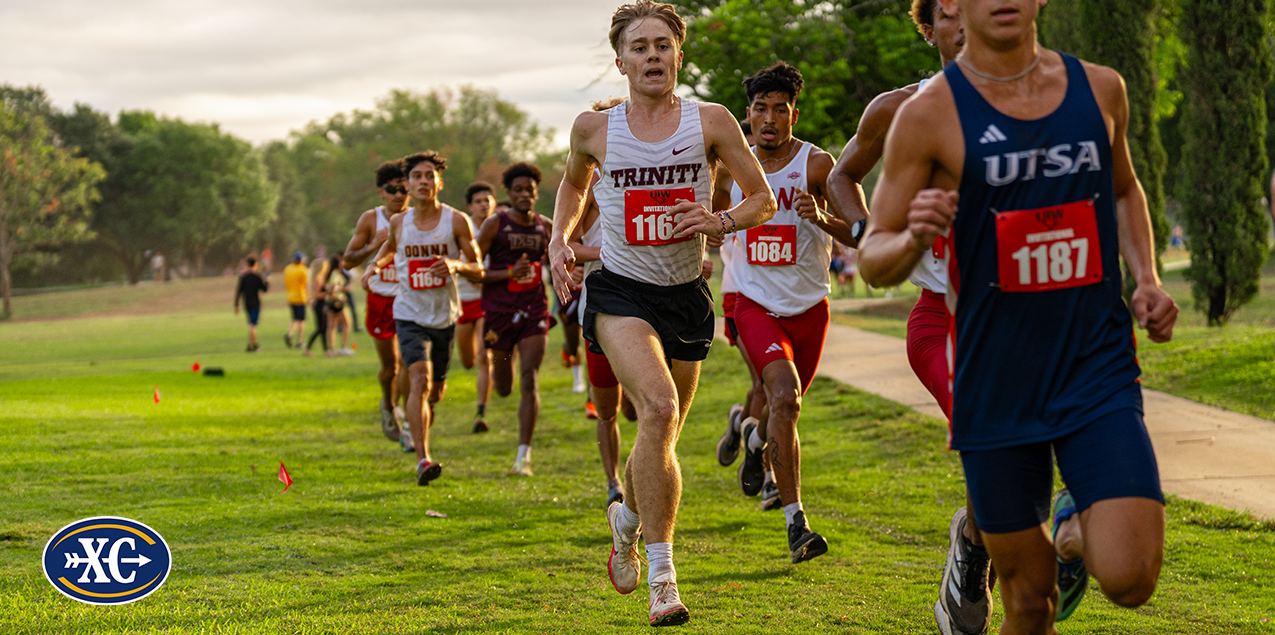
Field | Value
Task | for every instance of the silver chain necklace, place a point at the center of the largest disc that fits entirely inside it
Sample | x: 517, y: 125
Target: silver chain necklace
x: 1018, y: 75
x: 795, y: 143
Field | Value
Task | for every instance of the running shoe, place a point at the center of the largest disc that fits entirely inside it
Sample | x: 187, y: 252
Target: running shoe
x: 770, y: 497
x: 579, y: 387
x: 666, y: 607
x: 287, y: 340
x: 388, y: 425
x: 615, y: 493
x: 728, y: 445
x: 752, y: 472
x: 623, y: 567
x: 405, y: 439
x: 590, y: 411
x: 567, y: 360
x: 1073, y: 577
x: 522, y: 467
x: 964, y: 606
x: 401, y: 415
x: 480, y: 426
x: 426, y: 471
x: 804, y: 544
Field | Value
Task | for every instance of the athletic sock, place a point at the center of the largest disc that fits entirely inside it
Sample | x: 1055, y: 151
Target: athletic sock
x: 482, y: 409
x: 629, y: 520
x: 770, y: 478
x: 659, y: 556
x: 754, y: 440
x: 791, y: 510
x: 575, y: 373
x: 524, y: 453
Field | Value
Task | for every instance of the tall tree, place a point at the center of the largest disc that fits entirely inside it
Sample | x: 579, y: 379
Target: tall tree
x: 45, y: 194
x: 1223, y: 159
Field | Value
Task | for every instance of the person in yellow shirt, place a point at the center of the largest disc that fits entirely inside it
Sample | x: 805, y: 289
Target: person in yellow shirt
x: 296, y: 277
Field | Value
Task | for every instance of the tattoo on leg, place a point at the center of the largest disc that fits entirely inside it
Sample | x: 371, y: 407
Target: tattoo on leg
x: 774, y: 452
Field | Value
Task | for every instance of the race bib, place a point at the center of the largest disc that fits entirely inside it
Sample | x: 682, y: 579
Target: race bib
x: 529, y: 281
x: 647, y: 221
x: 418, y: 276
x: 1048, y: 248
x: 771, y: 245
x: 389, y: 274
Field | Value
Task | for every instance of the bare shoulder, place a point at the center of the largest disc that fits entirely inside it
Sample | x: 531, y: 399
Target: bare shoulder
x: 715, y: 118
x: 820, y: 162
x: 880, y: 111
x: 588, y: 125
x: 1107, y: 85
x: 930, y: 108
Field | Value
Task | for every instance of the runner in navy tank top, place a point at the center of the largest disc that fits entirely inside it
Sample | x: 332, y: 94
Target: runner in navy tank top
x: 1041, y: 348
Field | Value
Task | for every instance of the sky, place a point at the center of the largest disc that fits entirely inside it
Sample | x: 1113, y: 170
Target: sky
x: 262, y: 68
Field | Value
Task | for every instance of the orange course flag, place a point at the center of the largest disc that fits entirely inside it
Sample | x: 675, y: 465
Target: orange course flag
x: 283, y: 476
x: 194, y: 368
x: 156, y: 393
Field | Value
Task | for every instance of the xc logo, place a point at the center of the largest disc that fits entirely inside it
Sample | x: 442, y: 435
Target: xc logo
x: 106, y: 560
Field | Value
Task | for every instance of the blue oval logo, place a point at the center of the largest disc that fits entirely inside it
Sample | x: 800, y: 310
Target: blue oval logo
x: 107, y: 560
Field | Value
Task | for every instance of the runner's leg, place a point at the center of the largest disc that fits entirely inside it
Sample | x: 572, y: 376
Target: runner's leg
x: 531, y: 350
x: 387, y: 351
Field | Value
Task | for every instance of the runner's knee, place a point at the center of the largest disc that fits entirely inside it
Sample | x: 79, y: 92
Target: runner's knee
x: 1129, y: 584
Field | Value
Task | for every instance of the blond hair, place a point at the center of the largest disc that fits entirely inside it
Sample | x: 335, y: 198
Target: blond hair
x: 607, y: 104
x: 627, y: 14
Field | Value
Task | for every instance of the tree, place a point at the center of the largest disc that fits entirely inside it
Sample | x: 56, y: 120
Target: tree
x: 290, y: 230
x: 45, y: 193
x: 1223, y: 159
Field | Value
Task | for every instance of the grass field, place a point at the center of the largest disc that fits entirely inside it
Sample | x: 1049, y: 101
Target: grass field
x: 349, y: 548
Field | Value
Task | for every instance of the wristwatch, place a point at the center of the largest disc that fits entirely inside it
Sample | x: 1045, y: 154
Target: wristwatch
x: 856, y: 230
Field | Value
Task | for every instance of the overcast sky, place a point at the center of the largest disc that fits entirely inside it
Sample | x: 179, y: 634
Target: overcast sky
x: 261, y: 68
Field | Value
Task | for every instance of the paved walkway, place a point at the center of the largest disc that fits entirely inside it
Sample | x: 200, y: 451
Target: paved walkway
x: 1205, y: 453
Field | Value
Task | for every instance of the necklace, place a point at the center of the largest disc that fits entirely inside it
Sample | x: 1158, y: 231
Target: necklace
x: 1018, y: 75
x: 784, y: 158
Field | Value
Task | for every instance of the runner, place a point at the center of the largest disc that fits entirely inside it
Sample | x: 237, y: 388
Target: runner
x: 479, y: 200
x: 1040, y: 344
x: 968, y: 608
x: 370, y: 233
x: 296, y: 277
x: 516, y: 312
x: 251, y: 286
x: 782, y: 275
x: 649, y: 301
x: 425, y: 244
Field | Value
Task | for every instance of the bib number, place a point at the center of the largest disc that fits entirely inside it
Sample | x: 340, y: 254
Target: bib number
x: 418, y: 276
x: 1048, y: 248
x: 647, y: 221
x: 389, y: 274
x: 529, y: 281
x: 771, y: 245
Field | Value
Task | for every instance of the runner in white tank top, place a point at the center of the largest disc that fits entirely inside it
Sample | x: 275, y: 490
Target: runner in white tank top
x: 648, y: 303
x: 425, y: 298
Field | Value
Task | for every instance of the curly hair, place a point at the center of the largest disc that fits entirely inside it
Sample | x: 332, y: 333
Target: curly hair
x: 923, y: 14
x: 607, y: 104
x: 782, y: 77
x: 627, y: 14
x: 520, y: 169
x: 412, y: 160
x: 390, y: 171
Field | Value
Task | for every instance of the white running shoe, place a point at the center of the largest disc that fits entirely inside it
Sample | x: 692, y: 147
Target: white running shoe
x: 666, y: 607
x: 522, y: 467
x: 579, y: 386
x: 401, y: 415
x: 405, y: 439
x: 388, y: 425
x: 624, y: 567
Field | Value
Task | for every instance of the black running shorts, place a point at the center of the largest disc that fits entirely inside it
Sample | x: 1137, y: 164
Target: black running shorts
x: 682, y: 315
x: 412, y: 340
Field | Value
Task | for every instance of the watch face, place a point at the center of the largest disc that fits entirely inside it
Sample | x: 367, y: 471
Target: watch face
x: 856, y: 230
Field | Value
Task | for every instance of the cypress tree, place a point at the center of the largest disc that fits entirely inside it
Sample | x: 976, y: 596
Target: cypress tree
x: 1223, y: 160
x: 1059, y: 27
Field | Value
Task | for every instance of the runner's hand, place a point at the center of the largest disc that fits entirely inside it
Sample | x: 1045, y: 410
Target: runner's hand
x: 577, y: 276
x: 707, y: 269
x: 808, y: 208
x: 562, y: 260
x: 379, y: 239
x: 366, y: 280
x: 521, y: 268
x: 442, y: 267
x: 930, y: 215
x: 713, y: 240
x: 694, y: 218
x: 1155, y: 311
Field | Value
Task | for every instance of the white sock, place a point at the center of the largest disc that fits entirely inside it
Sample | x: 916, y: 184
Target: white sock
x: 524, y: 453
x: 770, y: 478
x: 791, y: 510
x: 755, y: 442
x: 629, y: 520
x: 659, y: 556
x: 575, y: 372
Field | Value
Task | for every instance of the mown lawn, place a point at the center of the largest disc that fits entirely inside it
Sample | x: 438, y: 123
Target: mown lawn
x: 350, y: 549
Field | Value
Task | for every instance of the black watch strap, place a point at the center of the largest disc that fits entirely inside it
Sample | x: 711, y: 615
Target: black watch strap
x: 856, y: 230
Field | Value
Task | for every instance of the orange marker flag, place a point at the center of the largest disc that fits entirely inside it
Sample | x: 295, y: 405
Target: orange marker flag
x: 194, y: 368
x: 283, y: 476
x: 354, y: 346
x: 156, y: 393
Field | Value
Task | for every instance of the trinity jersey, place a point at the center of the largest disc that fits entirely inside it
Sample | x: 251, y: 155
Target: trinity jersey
x: 513, y: 239
x: 424, y: 298
x: 783, y: 264
x: 1043, y: 342
x: 386, y: 282
x: 640, y: 182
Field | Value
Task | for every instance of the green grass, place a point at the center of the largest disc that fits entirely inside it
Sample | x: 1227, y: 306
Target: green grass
x: 350, y: 550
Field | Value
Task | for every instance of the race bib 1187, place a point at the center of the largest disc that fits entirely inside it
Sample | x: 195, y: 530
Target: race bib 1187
x: 647, y: 220
x: 1048, y: 248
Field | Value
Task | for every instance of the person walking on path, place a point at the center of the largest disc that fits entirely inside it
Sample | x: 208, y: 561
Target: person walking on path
x: 296, y: 279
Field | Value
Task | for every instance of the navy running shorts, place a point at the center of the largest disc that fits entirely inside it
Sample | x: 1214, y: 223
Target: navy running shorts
x: 1011, y: 488
x: 298, y: 312
x: 412, y: 340
x: 254, y: 315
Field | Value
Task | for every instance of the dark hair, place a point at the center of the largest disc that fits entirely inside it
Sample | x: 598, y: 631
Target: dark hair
x: 412, y: 160
x: 252, y: 262
x: 629, y: 13
x: 780, y: 78
x: 746, y: 126
x: 923, y: 14
x: 520, y: 169
x: 477, y: 187
x: 389, y: 171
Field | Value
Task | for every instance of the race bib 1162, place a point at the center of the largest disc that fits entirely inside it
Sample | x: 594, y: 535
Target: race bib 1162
x: 1048, y: 248
x: 647, y: 220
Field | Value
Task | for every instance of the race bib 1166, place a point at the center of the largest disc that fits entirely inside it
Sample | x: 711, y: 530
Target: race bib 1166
x: 647, y: 220
x: 418, y: 276
x: 1048, y: 248
x: 771, y: 245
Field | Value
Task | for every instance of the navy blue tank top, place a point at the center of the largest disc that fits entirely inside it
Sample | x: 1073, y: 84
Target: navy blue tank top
x: 1044, y: 343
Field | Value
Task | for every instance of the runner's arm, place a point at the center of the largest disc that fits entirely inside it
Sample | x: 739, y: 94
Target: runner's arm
x: 572, y: 194
x: 726, y: 142
x: 861, y: 154
x: 472, y: 267
x: 583, y: 252
x: 365, y: 241
x: 486, y: 234
x: 813, y: 205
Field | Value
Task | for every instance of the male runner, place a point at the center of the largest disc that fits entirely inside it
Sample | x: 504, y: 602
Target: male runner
x: 781, y: 273
x: 964, y: 605
x: 251, y: 286
x: 516, y: 311
x: 425, y: 244
x: 370, y: 232
x: 1018, y: 157
x: 296, y: 277
x: 479, y: 200
x: 648, y: 306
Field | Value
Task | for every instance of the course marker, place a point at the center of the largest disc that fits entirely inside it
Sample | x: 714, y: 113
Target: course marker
x: 194, y: 368
x: 283, y: 476
x: 156, y: 393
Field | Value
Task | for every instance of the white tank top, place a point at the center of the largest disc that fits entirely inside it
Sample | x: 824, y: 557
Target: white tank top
x: 783, y: 265
x: 728, y: 251
x: 385, y: 283
x: 468, y: 290
x: 423, y: 298
x: 640, y: 181
x: 931, y: 272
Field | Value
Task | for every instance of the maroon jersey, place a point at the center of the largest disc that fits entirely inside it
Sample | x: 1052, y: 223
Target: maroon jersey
x: 522, y: 295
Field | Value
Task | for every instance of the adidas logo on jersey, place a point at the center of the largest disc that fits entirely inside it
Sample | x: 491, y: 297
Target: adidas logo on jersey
x: 775, y: 348
x: 992, y: 135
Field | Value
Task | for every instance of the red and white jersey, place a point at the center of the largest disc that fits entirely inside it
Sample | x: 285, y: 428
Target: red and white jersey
x: 640, y: 182
x: 468, y: 290
x: 385, y: 283
x: 783, y: 265
x: 424, y: 298
x: 931, y: 272
x: 729, y: 252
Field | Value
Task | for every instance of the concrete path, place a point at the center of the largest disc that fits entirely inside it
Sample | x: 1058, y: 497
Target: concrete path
x: 1207, y: 454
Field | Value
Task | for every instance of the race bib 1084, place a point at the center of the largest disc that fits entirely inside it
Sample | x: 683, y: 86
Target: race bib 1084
x: 647, y: 220
x: 418, y: 276
x: 389, y: 274
x: 1048, y: 248
x: 771, y: 245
